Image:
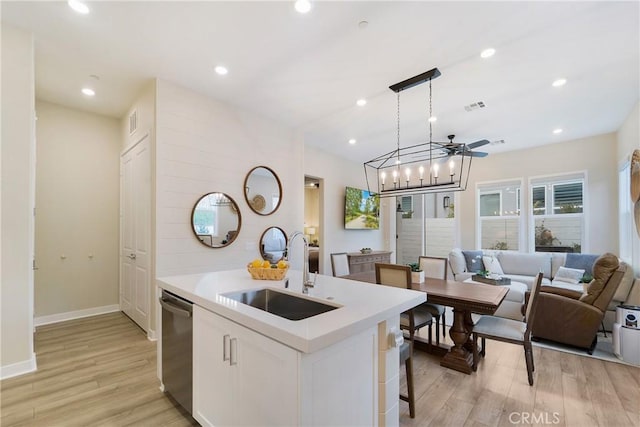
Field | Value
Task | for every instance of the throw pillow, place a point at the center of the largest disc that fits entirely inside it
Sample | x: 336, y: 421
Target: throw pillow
x: 473, y: 260
x: 492, y: 265
x: 603, y: 269
x: 569, y: 275
x: 581, y: 261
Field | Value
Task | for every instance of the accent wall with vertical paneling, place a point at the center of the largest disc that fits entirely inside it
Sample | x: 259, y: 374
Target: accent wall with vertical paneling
x: 204, y: 145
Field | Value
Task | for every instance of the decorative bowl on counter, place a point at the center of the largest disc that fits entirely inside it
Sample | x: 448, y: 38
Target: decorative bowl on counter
x: 260, y: 273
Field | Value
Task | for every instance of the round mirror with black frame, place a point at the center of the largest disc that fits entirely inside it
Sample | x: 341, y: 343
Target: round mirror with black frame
x: 262, y: 190
x: 216, y: 220
x: 273, y: 244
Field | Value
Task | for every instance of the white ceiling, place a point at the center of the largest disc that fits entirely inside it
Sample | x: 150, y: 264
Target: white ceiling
x: 307, y: 71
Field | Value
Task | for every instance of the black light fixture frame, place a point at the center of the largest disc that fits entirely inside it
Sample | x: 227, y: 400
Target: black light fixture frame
x: 425, y: 153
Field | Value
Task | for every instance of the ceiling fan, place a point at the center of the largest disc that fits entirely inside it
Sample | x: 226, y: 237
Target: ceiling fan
x: 456, y: 148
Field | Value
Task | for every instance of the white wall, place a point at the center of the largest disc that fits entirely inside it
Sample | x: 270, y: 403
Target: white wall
x: 18, y: 186
x: 77, y: 210
x: 628, y: 136
x: 206, y: 146
x: 596, y: 155
x: 145, y: 106
x: 312, y: 207
x: 338, y: 173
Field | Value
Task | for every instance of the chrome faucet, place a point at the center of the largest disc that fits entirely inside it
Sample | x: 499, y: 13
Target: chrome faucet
x: 306, y: 283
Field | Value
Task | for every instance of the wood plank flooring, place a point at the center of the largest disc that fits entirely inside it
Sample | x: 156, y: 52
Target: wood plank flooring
x: 101, y: 371
x: 569, y: 390
x: 97, y: 371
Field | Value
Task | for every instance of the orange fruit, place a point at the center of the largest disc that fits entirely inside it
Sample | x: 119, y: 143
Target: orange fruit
x: 282, y: 264
x: 266, y: 264
x: 256, y: 263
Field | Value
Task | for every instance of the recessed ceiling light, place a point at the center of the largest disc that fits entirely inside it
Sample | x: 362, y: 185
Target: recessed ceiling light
x: 78, y: 6
x: 303, y: 6
x: 557, y: 131
x: 487, y: 53
x: 559, y: 82
x: 361, y: 102
x: 352, y: 141
x: 88, y: 91
x: 433, y: 119
x: 221, y: 70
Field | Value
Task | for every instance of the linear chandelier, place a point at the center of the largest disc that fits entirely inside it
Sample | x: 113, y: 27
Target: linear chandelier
x: 430, y: 167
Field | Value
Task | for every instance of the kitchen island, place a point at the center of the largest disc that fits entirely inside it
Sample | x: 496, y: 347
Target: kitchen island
x: 251, y: 367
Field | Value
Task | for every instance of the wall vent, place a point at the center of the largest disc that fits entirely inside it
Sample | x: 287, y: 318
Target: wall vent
x: 133, y: 122
x: 474, y: 106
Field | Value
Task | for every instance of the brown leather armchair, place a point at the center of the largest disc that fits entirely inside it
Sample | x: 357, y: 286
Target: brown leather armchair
x: 573, y: 318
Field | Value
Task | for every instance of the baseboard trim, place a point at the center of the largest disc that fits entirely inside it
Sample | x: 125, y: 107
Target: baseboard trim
x: 19, y: 368
x: 78, y: 314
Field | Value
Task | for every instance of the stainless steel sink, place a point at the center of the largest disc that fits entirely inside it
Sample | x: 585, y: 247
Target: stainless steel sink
x: 281, y: 304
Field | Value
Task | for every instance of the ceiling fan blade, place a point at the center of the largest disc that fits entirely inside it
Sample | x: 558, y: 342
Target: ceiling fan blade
x: 476, y: 144
x: 477, y: 153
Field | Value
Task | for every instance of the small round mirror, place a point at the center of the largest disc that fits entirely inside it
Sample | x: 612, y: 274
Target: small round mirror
x: 216, y: 220
x: 273, y: 244
x: 262, y: 190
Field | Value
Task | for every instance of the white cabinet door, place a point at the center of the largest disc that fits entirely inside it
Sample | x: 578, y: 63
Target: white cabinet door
x: 266, y: 376
x: 212, y: 375
x: 241, y: 378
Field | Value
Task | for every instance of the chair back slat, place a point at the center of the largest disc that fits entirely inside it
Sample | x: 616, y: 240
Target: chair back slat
x: 340, y: 264
x: 434, y: 267
x: 395, y: 275
x: 533, y: 302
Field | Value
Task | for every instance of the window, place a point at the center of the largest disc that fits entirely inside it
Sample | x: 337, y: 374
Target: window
x: 539, y: 200
x: 490, y: 204
x: 567, y: 198
x: 429, y: 230
x: 499, y: 219
x: 406, y: 204
x: 557, y: 210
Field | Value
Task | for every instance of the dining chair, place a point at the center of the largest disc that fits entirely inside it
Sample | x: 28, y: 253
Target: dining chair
x: 339, y: 264
x: 436, y: 268
x: 508, y: 330
x: 412, y: 320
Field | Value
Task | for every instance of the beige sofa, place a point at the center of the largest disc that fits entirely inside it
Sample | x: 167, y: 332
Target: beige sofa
x: 523, y: 267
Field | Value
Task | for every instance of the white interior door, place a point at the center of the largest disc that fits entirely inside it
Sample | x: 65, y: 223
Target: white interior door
x: 135, y: 232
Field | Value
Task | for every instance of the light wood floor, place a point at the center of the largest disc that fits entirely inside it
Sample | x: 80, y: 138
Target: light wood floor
x: 101, y: 371
x: 98, y: 371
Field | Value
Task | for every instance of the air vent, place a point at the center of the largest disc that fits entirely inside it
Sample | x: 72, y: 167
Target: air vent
x: 474, y: 106
x: 497, y: 142
x: 133, y: 122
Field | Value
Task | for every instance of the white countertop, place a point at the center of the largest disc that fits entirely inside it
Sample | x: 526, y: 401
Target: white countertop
x: 363, y: 305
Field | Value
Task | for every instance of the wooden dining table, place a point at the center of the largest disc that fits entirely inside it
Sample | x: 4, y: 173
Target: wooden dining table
x: 464, y: 298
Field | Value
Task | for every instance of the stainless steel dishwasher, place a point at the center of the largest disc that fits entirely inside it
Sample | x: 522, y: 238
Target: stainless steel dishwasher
x: 177, y: 348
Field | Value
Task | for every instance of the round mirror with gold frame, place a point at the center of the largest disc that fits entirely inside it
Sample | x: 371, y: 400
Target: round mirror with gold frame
x: 273, y: 244
x: 263, y: 190
x: 216, y: 220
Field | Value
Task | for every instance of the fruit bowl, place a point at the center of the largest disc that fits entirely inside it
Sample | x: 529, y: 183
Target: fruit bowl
x: 260, y: 273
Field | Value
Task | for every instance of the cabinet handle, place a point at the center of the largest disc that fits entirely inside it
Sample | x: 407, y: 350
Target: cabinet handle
x: 234, y: 351
x: 225, y: 348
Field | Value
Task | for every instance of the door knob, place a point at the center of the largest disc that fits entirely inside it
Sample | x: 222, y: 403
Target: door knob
x: 132, y: 256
